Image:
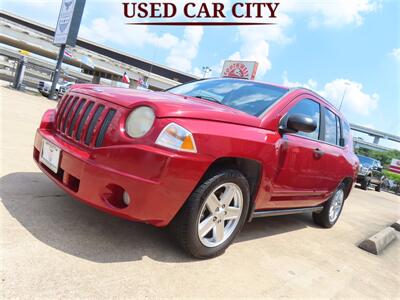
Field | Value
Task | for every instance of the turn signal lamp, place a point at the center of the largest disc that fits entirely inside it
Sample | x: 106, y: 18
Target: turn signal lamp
x: 176, y: 137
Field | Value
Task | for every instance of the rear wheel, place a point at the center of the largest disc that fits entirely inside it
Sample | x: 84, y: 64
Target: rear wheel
x: 332, y: 209
x: 213, y: 215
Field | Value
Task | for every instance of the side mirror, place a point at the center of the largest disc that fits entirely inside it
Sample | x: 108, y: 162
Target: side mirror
x: 298, y: 122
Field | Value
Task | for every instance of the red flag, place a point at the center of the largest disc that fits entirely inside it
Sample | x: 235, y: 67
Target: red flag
x: 68, y: 54
x: 125, y: 78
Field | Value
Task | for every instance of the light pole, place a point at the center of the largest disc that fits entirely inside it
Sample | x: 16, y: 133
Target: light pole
x: 206, y: 69
x: 56, y: 74
x: 344, y: 93
x: 66, y: 32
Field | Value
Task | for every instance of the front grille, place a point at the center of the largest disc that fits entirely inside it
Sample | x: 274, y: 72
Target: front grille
x: 84, y: 120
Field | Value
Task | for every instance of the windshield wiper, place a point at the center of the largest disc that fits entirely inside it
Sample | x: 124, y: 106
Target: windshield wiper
x: 208, y: 98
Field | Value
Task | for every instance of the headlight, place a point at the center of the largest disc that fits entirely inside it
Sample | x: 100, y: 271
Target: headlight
x: 363, y: 170
x: 176, y: 137
x: 139, y: 122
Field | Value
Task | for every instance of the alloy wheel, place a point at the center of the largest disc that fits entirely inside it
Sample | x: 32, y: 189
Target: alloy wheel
x: 220, y: 214
x: 336, y: 205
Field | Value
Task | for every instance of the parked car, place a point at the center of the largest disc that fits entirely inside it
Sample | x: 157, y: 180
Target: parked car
x: 204, y: 157
x: 370, y: 173
x: 64, y: 88
x: 44, y: 87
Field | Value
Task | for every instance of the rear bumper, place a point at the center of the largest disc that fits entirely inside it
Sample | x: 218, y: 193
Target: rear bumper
x: 158, y: 181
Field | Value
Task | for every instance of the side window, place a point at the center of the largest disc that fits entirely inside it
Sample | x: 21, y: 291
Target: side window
x: 346, y: 133
x: 311, y: 109
x: 330, y: 127
x: 338, y: 136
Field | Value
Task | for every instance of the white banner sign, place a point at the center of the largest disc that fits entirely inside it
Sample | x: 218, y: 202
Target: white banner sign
x: 64, y: 21
x: 240, y: 69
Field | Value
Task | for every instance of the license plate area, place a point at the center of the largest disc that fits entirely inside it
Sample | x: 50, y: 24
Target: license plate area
x: 50, y: 155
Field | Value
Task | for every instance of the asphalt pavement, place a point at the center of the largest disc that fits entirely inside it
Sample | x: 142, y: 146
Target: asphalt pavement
x: 52, y: 246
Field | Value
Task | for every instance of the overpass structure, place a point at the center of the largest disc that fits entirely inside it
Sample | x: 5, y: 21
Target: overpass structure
x: 376, y: 134
x: 105, y: 62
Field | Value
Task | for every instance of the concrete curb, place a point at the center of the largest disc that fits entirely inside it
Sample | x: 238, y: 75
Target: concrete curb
x: 396, y: 225
x: 378, y: 242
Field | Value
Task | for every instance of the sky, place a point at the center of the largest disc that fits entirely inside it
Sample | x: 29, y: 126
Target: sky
x: 335, y: 47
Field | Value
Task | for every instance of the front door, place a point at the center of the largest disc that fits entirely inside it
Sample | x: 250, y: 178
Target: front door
x: 297, y: 180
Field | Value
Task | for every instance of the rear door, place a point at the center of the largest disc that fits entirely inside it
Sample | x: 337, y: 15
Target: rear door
x: 335, y: 163
x: 297, y: 180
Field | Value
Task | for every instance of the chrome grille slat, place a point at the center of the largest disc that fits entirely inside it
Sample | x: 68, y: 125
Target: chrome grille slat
x: 66, y: 114
x: 104, y: 127
x: 92, y: 124
x: 69, y: 114
x: 75, y: 117
x: 84, y: 119
x: 62, y: 108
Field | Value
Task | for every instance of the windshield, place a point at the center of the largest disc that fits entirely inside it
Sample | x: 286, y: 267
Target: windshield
x: 365, y: 161
x: 248, y: 96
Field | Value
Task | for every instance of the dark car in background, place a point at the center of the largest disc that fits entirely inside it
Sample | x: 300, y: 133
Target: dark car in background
x: 370, y: 172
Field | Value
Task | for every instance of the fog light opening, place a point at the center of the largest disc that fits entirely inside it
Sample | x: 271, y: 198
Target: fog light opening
x: 116, y: 196
x: 126, y: 198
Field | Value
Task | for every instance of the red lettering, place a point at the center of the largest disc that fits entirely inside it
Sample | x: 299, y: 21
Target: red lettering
x: 234, y: 10
x: 203, y: 10
x: 142, y: 10
x: 154, y: 9
x: 218, y: 10
x: 186, y: 9
x: 127, y: 13
x: 272, y: 10
x: 170, y: 10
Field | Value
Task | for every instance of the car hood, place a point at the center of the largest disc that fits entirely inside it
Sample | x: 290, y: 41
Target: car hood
x: 168, y: 105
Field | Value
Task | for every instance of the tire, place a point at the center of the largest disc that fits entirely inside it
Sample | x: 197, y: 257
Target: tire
x: 378, y: 188
x: 365, y: 183
x: 203, y: 208
x: 324, y: 218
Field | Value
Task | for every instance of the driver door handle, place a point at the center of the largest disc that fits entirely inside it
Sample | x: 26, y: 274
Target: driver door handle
x: 318, y: 153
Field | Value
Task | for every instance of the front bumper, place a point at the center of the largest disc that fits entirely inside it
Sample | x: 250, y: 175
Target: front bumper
x: 158, y: 180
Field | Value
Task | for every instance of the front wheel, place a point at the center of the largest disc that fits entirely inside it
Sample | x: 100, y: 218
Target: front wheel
x: 332, y: 209
x: 365, y: 183
x: 213, y: 215
x: 378, y: 188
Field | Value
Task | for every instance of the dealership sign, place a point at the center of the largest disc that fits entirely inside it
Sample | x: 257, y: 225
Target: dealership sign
x: 69, y: 20
x: 205, y: 13
x: 239, y: 69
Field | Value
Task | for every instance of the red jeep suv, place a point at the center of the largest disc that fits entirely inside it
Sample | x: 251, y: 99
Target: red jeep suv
x: 203, y: 157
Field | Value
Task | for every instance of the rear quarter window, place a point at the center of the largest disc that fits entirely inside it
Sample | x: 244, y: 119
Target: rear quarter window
x: 330, y: 127
x: 347, y: 134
